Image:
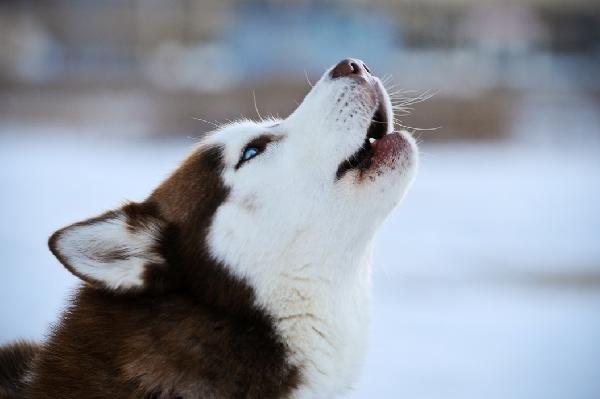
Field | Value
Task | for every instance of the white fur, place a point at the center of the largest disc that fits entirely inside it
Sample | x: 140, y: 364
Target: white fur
x: 86, y: 247
x: 301, y: 238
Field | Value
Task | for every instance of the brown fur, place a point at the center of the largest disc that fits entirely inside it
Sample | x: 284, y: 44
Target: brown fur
x: 16, y: 361
x: 192, y: 331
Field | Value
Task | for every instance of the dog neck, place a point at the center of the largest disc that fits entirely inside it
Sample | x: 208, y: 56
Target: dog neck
x: 321, y: 307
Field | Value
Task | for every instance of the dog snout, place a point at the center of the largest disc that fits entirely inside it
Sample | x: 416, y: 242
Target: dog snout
x: 350, y: 67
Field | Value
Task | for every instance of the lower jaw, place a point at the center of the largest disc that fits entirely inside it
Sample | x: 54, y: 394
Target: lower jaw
x: 386, y: 152
x: 382, y: 154
x: 389, y: 144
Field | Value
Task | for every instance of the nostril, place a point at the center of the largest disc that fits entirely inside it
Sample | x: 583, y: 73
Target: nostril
x: 366, y: 68
x: 355, y: 67
x: 348, y: 67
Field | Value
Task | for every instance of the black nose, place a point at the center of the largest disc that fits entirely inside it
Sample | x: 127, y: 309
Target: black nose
x: 349, y: 67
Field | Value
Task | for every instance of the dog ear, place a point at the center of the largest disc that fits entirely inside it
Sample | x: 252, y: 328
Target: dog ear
x: 112, y: 250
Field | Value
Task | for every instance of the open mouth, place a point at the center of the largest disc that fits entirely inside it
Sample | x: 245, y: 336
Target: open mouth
x: 363, y: 157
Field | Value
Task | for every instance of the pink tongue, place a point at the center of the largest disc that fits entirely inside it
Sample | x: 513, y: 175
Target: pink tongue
x: 382, y: 143
x: 386, y: 146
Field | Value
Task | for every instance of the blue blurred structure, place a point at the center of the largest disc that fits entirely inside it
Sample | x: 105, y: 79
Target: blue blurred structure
x: 289, y: 40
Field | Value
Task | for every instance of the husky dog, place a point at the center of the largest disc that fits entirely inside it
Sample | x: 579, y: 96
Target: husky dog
x: 245, y: 274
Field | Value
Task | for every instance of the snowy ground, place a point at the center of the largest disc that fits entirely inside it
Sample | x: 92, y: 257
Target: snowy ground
x: 487, y: 280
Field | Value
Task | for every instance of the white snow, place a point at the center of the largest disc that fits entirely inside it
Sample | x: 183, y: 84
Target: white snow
x: 487, y: 280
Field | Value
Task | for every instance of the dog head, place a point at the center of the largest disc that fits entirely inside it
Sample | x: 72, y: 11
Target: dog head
x: 256, y: 197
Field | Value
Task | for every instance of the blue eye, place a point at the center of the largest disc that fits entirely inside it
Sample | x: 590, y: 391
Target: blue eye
x: 249, y: 153
x: 253, y: 148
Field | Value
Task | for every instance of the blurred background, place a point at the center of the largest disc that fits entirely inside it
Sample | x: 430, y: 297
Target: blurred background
x: 487, y: 278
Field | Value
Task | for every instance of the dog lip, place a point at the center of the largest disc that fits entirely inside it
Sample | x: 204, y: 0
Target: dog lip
x: 377, y: 131
x: 360, y: 160
x: 379, y: 122
x: 387, y: 148
x: 363, y: 157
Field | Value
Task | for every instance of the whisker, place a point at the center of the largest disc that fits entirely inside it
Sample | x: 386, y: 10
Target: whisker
x: 307, y: 79
x: 420, y: 129
x: 255, y: 106
x: 386, y: 80
x: 215, y: 124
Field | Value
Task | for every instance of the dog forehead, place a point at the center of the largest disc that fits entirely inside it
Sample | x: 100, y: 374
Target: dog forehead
x: 195, y: 188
